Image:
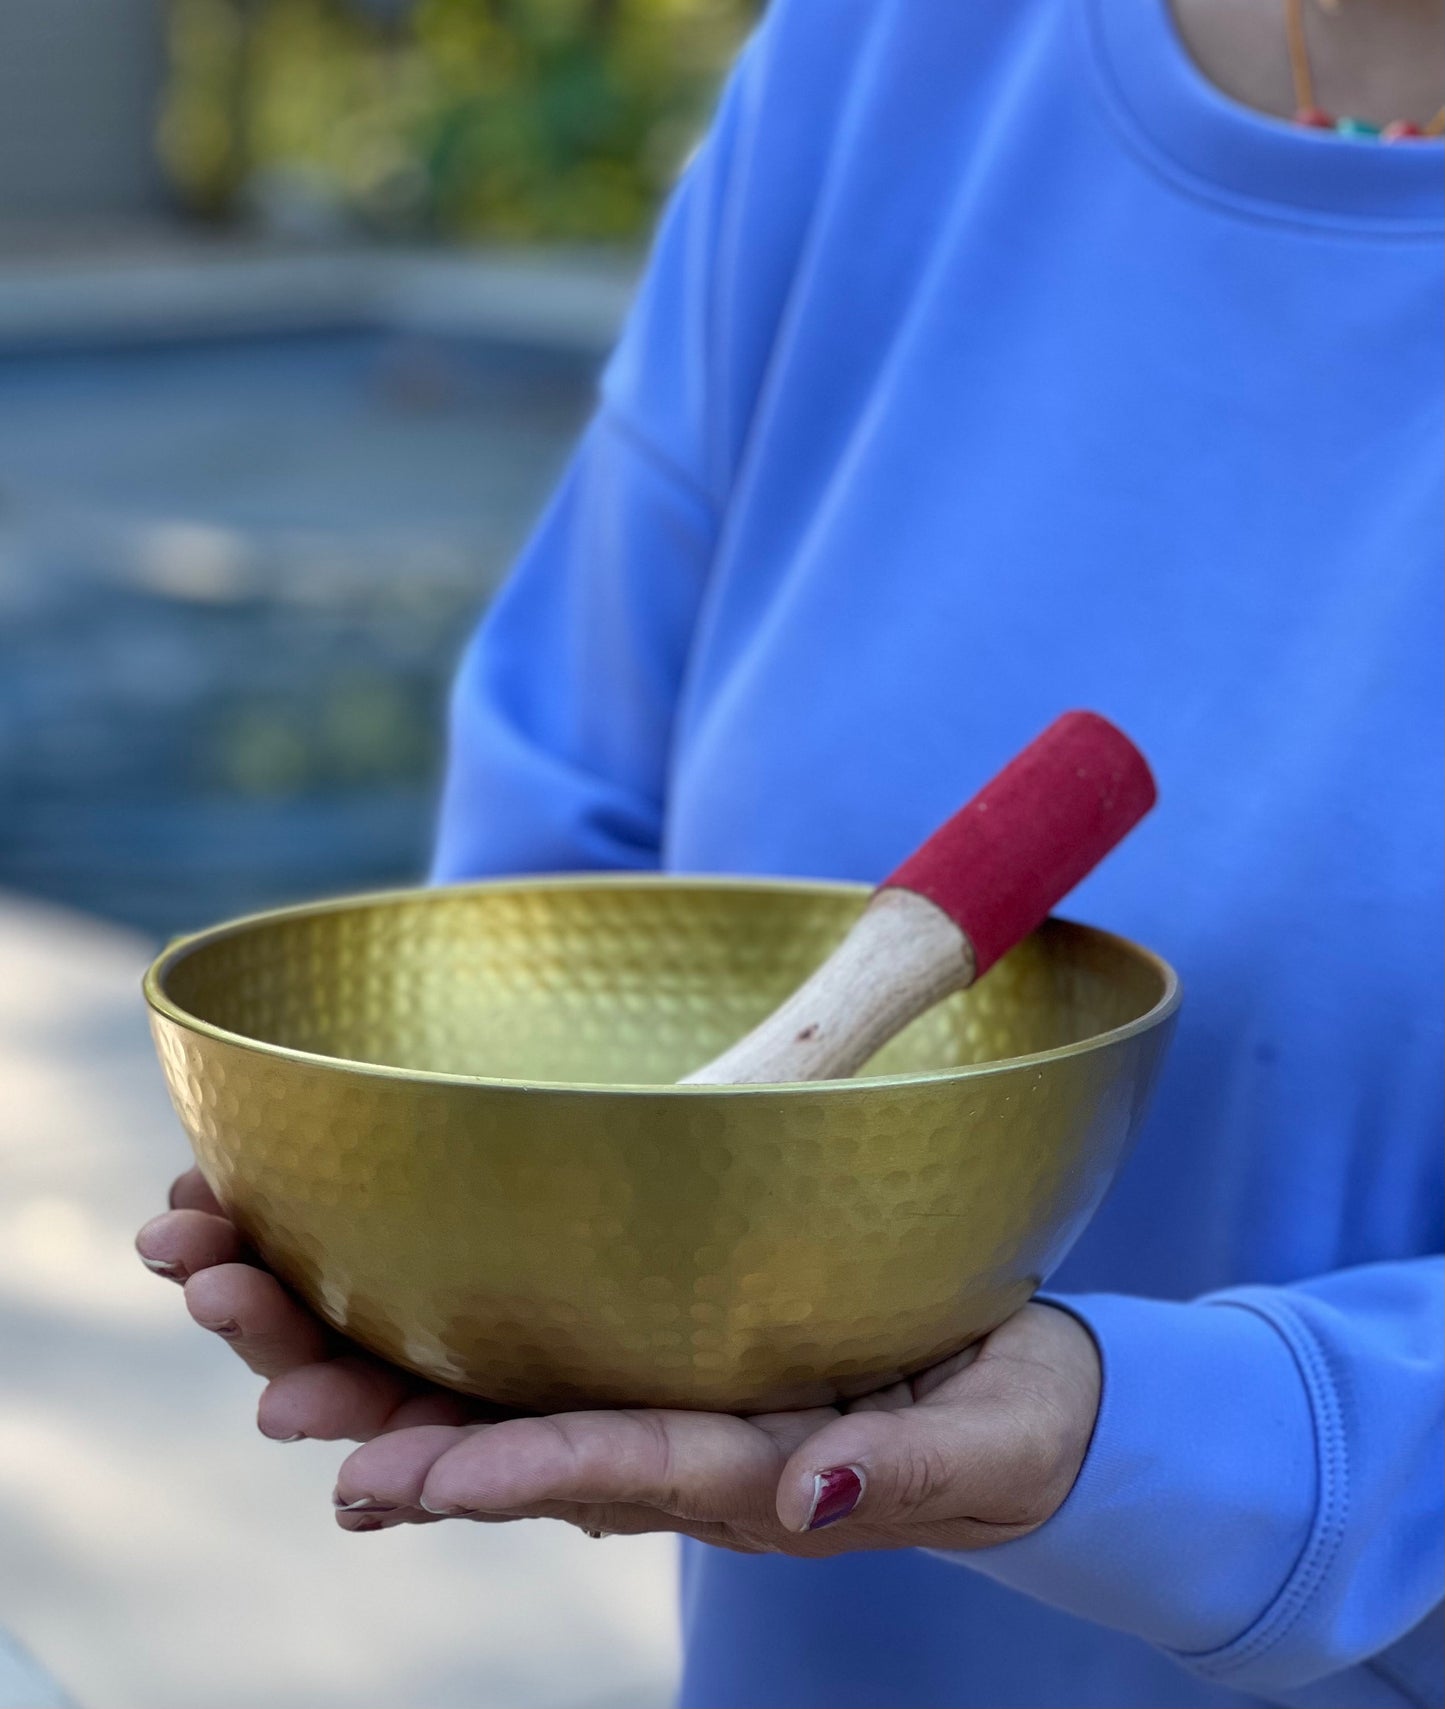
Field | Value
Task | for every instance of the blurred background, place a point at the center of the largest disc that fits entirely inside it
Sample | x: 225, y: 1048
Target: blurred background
x: 301, y: 303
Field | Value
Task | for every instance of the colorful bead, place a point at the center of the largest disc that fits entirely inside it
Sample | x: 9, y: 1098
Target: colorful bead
x: 1400, y: 130
x: 1315, y: 117
x: 1356, y: 127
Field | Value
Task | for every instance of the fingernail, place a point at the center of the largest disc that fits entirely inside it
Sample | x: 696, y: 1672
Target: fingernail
x: 227, y: 1327
x: 362, y: 1504
x: 444, y: 1511
x: 159, y: 1267
x: 835, y: 1494
x: 299, y: 1436
x: 365, y: 1525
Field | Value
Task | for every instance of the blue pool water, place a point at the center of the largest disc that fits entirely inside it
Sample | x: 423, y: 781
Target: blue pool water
x: 234, y: 578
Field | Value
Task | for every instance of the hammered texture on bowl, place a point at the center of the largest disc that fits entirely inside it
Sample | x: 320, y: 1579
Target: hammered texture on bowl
x: 445, y: 1117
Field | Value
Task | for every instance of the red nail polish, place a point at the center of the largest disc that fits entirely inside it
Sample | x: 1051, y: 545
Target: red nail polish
x: 835, y: 1494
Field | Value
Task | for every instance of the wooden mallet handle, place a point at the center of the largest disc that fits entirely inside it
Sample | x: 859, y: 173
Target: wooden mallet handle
x: 979, y: 885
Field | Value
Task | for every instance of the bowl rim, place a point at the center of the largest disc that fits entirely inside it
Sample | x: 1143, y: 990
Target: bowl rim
x: 153, y: 987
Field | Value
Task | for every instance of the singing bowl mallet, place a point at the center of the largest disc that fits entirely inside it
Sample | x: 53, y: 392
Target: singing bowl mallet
x: 979, y: 885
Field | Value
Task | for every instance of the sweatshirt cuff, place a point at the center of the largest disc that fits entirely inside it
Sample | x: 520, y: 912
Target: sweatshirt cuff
x: 1197, y: 1494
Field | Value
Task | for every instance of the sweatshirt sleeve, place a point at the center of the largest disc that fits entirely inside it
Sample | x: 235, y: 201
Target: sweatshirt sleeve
x: 1262, y: 1497
x: 563, y: 707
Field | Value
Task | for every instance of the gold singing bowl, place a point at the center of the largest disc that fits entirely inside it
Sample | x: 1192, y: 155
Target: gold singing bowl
x: 445, y: 1118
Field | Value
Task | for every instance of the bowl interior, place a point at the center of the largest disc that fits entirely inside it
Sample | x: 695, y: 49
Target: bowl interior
x: 609, y: 981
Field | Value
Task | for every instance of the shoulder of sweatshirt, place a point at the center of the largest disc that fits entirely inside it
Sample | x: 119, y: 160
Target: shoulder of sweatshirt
x: 837, y: 134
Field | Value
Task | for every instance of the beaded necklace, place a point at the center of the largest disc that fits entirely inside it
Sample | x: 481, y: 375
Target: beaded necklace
x: 1306, y: 112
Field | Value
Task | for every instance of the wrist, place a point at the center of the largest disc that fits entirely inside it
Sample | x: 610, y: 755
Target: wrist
x: 1070, y: 1397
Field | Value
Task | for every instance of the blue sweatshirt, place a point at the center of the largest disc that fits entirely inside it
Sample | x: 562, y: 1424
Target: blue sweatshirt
x: 990, y: 363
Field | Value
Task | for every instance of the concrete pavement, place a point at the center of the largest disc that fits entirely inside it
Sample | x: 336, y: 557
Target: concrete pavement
x: 155, y: 1553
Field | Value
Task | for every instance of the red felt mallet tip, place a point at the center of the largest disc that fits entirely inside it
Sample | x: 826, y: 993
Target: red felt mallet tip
x: 1009, y: 856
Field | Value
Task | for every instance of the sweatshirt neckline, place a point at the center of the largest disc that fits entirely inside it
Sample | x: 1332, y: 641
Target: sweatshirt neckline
x: 1263, y: 165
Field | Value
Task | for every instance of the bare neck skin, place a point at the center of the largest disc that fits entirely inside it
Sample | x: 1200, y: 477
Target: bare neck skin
x: 1377, y: 60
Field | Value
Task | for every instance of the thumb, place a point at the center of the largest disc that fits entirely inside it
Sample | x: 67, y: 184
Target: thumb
x: 920, y: 1465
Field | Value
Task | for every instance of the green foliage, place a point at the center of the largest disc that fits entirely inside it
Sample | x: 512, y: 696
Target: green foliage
x: 510, y: 119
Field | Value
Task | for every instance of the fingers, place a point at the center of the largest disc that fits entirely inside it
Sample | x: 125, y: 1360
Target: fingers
x: 179, y: 1243
x: 189, y: 1192
x: 193, y: 1235
x: 391, y: 1472
x: 252, y: 1311
x: 693, y: 1466
x: 990, y: 1449
x: 959, y: 1476
x: 384, y: 1485
x: 351, y: 1398
x: 615, y: 1520
x: 916, y: 1467
x: 310, y: 1394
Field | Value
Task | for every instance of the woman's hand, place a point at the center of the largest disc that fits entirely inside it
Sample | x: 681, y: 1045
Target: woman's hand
x: 978, y: 1450
x: 320, y: 1385
x: 975, y: 1451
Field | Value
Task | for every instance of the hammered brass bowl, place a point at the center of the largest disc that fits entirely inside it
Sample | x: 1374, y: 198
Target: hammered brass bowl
x: 445, y: 1117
